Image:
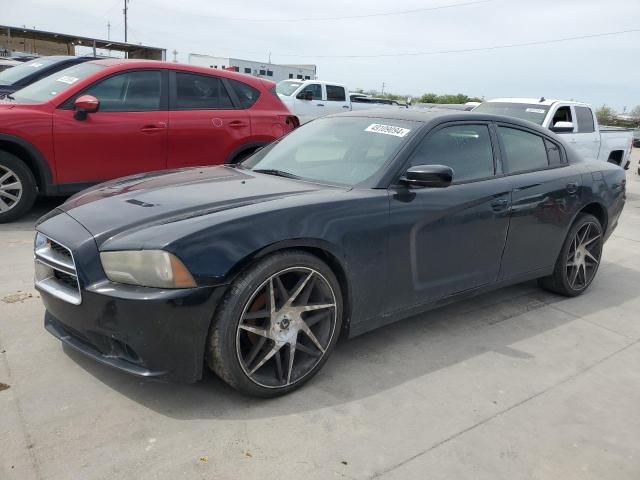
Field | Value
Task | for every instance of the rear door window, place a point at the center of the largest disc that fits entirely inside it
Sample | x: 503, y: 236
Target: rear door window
x: 247, y: 95
x: 585, y: 120
x: 336, y: 93
x: 523, y: 151
x: 200, y: 92
x: 465, y: 148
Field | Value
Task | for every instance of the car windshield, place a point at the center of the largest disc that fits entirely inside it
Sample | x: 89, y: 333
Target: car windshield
x: 48, y: 87
x: 287, y: 87
x: 335, y: 150
x: 526, y: 111
x: 17, y: 73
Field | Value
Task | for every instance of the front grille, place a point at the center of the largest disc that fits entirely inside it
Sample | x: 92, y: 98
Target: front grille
x: 67, y: 279
x: 56, y: 270
x: 59, y: 249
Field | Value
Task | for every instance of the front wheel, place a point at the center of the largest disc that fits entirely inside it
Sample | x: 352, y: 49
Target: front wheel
x: 18, y: 188
x: 579, y: 258
x: 277, y: 325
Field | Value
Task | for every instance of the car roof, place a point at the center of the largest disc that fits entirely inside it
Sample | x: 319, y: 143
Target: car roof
x: 185, y: 67
x: 435, y: 115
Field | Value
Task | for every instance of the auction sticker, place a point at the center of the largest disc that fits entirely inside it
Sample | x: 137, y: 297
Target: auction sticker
x: 387, y: 129
x: 69, y: 80
x: 536, y: 110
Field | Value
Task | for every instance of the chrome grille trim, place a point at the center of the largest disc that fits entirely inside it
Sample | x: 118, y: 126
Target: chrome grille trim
x: 52, y: 259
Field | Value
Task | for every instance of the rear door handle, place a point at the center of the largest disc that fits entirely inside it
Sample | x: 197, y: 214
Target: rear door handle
x: 345, y: 106
x: 320, y: 104
x: 572, y: 188
x: 154, y: 128
x: 238, y: 124
x: 499, y: 205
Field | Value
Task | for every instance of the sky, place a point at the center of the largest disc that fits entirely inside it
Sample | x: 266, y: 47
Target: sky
x: 598, y: 70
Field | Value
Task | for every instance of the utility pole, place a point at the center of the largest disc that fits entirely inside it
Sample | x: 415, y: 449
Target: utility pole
x: 125, y: 19
x: 382, y: 88
x: 108, y: 30
x: 175, y: 56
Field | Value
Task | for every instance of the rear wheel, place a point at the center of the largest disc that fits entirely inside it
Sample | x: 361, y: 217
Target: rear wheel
x: 17, y: 188
x: 579, y: 258
x: 277, y: 325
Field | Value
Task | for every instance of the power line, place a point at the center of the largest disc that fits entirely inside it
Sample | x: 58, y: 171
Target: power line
x: 468, y: 50
x: 346, y: 17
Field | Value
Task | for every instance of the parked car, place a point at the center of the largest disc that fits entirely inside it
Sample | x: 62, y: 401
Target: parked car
x: 6, y: 63
x: 575, y: 121
x: 109, y: 118
x: 368, y: 99
x: 33, y: 70
x: 348, y: 223
x: 309, y: 99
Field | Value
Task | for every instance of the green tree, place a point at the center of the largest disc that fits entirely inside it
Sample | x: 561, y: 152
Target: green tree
x: 606, y: 115
x: 458, y: 98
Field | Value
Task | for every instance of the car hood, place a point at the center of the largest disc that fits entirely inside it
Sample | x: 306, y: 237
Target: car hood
x: 165, y: 197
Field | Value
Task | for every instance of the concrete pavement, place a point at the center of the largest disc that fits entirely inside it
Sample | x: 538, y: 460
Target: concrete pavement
x: 515, y: 384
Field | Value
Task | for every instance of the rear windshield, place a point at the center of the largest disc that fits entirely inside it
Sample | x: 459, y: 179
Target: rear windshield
x: 50, y: 86
x: 526, y: 111
x: 17, y: 73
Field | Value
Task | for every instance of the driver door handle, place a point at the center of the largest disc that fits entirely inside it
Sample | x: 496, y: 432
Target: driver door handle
x: 154, y: 127
x: 320, y: 104
x: 499, y: 204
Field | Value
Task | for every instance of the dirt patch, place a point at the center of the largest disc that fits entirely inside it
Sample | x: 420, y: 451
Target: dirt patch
x: 17, y: 297
x: 4, y: 386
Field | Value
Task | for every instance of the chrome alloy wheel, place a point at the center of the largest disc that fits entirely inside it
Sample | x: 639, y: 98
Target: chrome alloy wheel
x: 10, y: 189
x: 286, y: 327
x: 583, y: 257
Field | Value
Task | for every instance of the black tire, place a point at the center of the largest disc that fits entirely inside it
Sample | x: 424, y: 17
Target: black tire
x: 560, y: 281
x: 18, y: 173
x: 225, y: 354
x: 241, y: 156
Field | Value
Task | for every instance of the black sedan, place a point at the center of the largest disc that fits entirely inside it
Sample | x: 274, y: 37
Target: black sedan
x: 20, y: 76
x: 348, y: 223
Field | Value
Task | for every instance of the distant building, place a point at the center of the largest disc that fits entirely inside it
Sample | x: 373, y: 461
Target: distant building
x: 270, y: 71
x: 21, y: 40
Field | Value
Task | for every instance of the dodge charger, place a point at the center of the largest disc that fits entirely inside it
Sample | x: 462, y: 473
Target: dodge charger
x: 348, y: 223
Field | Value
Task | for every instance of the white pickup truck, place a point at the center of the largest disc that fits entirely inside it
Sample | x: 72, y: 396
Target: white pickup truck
x: 309, y: 99
x: 575, y: 121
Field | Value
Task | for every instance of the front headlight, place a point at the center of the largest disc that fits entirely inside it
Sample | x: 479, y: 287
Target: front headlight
x: 147, y: 268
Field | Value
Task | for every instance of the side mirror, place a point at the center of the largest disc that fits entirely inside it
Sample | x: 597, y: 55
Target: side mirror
x: 84, y: 105
x: 562, y: 127
x: 434, y: 176
x: 305, y: 95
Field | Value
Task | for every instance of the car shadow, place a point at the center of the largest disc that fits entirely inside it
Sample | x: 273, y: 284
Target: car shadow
x: 379, y: 360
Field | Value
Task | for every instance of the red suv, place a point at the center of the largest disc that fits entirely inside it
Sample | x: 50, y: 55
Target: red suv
x: 109, y: 118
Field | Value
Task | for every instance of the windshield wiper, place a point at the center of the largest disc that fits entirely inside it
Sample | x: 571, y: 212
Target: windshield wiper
x: 278, y: 173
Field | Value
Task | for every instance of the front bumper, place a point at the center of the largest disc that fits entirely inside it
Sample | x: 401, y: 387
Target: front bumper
x: 140, y: 331
x: 148, y: 332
